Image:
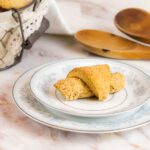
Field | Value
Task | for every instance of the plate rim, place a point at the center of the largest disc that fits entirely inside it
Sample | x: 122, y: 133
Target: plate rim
x: 81, y: 131
x: 87, y: 115
x: 62, y: 128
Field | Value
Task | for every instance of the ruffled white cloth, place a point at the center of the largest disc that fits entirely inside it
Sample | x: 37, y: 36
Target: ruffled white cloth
x: 58, y: 24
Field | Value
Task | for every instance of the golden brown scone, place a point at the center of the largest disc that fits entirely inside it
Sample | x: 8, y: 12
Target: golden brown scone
x: 96, y: 77
x: 117, y: 82
x: 8, y: 4
x: 73, y: 88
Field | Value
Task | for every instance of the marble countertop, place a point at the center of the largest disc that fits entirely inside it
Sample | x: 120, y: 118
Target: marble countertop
x: 17, y: 132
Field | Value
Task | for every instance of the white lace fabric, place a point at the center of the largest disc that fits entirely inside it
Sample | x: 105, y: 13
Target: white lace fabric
x: 10, y: 34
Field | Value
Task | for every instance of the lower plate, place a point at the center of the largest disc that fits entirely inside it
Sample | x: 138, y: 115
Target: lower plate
x: 33, y: 109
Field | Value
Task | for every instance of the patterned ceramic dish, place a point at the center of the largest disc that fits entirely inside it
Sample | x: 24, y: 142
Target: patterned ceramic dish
x: 135, y: 94
x: 33, y: 109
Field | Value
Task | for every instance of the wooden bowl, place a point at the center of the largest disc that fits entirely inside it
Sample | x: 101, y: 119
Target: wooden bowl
x: 110, y: 45
x: 134, y: 22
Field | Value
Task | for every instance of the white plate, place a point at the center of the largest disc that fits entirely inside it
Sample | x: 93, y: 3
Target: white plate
x: 33, y: 109
x: 134, y: 95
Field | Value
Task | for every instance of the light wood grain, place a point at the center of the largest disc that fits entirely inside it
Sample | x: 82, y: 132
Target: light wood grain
x: 134, y: 22
x: 110, y: 45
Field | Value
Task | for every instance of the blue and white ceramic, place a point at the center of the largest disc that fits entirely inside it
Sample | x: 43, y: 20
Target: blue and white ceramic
x: 133, y: 96
x: 33, y: 109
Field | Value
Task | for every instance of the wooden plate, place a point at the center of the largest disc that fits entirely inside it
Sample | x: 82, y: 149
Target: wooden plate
x: 134, y: 22
x: 110, y: 45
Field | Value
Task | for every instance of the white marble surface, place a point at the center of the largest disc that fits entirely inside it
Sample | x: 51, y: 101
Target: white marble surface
x: 17, y: 132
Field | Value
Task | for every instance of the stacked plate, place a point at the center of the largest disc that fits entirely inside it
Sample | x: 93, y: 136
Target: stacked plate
x: 36, y: 96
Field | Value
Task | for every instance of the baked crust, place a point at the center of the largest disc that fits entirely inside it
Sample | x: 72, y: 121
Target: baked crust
x: 117, y: 82
x: 8, y: 4
x: 73, y: 88
x: 83, y: 82
x: 96, y: 77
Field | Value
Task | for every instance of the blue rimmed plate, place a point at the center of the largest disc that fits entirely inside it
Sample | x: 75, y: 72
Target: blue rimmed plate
x: 33, y: 109
x: 133, y: 96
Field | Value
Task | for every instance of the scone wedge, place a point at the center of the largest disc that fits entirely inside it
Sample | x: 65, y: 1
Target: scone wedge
x: 73, y: 88
x: 97, y: 78
x: 117, y: 82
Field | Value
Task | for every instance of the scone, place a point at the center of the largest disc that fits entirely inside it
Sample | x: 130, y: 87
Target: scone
x: 96, y: 77
x: 83, y: 82
x: 117, y: 82
x: 73, y: 88
x: 8, y: 4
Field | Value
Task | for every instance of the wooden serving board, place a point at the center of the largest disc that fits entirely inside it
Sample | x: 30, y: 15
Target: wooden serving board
x: 109, y: 45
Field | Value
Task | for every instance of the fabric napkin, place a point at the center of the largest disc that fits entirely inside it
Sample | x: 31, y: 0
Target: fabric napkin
x: 57, y: 23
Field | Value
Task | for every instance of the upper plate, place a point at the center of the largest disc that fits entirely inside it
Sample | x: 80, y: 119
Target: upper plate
x: 135, y: 94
